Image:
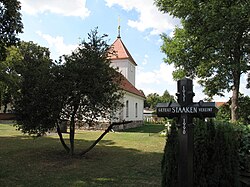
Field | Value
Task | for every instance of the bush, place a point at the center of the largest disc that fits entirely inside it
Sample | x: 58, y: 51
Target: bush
x: 169, y: 167
x: 220, y: 151
x: 243, y: 132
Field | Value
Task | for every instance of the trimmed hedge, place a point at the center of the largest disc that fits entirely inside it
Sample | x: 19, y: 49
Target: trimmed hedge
x: 220, y: 151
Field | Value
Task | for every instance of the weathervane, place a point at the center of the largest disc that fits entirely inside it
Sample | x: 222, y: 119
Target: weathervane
x: 119, y: 28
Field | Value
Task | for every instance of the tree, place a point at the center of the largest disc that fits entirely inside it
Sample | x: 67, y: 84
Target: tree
x: 166, y: 97
x: 82, y: 88
x: 223, y: 113
x: 9, y: 85
x: 212, y: 45
x: 10, y: 27
x: 92, y: 85
x: 35, y: 103
x: 11, y: 24
x: 154, y: 98
x: 244, y: 108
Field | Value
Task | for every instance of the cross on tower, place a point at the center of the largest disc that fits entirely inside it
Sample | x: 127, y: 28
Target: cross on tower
x: 185, y: 110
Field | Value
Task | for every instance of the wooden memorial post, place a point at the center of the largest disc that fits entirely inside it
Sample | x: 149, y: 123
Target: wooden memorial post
x: 185, y: 110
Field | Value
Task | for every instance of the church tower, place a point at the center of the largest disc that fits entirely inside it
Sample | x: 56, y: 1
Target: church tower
x: 133, y: 98
x: 123, y: 60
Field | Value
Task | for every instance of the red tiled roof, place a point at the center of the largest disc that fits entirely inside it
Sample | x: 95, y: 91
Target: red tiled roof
x: 218, y: 104
x: 127, y: 86
x: 121, y: 51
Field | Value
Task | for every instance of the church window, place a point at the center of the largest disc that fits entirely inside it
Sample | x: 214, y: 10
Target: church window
x: 127, y: 108
x: 136, y: 110
x: 131, y: 68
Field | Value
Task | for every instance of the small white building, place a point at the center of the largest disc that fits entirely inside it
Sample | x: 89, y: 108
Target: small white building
x: 133, y: 98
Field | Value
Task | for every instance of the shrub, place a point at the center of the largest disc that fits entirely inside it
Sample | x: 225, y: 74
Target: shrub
x: 220, y: 151
x: 243, y: 132
x: 169, y: 161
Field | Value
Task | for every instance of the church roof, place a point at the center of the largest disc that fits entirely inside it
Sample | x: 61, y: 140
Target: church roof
x: 121, y: 52
x: 127, y: 86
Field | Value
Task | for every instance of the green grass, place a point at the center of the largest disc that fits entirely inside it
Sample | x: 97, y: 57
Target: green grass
x: 120, y: 159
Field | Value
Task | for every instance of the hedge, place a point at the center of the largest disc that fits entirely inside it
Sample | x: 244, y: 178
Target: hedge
x: 221, y: 150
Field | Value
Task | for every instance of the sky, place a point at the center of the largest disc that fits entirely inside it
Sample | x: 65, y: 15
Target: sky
x: 61, y: 25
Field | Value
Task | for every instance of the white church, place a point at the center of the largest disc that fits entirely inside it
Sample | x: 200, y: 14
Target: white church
x: 133, y: 98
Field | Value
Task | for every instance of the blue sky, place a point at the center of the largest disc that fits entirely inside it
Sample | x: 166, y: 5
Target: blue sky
x: 61, y: 24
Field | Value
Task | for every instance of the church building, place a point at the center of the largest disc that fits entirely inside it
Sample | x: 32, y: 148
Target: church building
x: 133, y: 98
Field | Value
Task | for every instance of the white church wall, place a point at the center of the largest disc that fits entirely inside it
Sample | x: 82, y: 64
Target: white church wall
x: 133, y: 107
x: 126, y: 68
x: 132, y: 110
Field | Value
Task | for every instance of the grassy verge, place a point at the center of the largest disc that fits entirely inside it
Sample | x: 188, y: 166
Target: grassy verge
x: 120, y: 159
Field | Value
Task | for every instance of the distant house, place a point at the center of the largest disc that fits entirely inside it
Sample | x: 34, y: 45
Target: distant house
x: 218, y: 104
x: 149, y: 115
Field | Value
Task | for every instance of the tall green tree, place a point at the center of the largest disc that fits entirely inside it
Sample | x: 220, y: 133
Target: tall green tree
x: 10, y: 85
x: 153, y: 99
x: 34, y: 102
x: 212, y: 44
x: 92, y: 85
x: 11, y: 25
x: 167, y: 97
x: 80, y: 87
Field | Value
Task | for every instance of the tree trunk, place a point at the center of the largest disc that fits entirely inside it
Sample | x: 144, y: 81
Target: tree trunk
x: 5, y: 108
x: 235, y: 97
x: 72, y: 130
x: 61, y: 138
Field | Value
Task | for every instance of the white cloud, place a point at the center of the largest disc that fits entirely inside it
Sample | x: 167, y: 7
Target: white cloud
x: 149, y: 16
x: 243, y: 84
x: 64, y: 7
x: 145, y: 60
x: 57, y: 44
x: 158, y: 80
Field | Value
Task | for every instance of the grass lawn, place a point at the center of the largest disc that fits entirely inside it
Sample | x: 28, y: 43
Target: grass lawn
x: 131, y: 158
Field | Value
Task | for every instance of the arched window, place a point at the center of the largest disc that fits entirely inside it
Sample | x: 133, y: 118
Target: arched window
x: 127, y: 108
x: 136, y: 110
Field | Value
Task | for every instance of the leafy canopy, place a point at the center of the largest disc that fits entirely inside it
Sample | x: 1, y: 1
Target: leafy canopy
x: 11, y: 25
x: 212, y: 44
x: 35, y: 102
x: 92, y: 86
x: 153, y: 99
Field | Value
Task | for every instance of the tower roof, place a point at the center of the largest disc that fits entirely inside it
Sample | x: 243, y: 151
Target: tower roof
x: 121, y: 52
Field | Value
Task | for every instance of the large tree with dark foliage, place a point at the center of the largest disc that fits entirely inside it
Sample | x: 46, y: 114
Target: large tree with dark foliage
x: 10, y: 27
x: 80, y: 87
x: 92, y: 85
x: 11, y: 24
x: 212, y: 44
x: 34, y: 103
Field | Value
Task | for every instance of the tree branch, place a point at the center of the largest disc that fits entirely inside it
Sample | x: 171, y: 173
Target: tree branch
x: 61, y: 138
x: 103, y: 134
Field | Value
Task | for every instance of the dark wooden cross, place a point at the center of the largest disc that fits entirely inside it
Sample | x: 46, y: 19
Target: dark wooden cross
x: 185, y: 110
